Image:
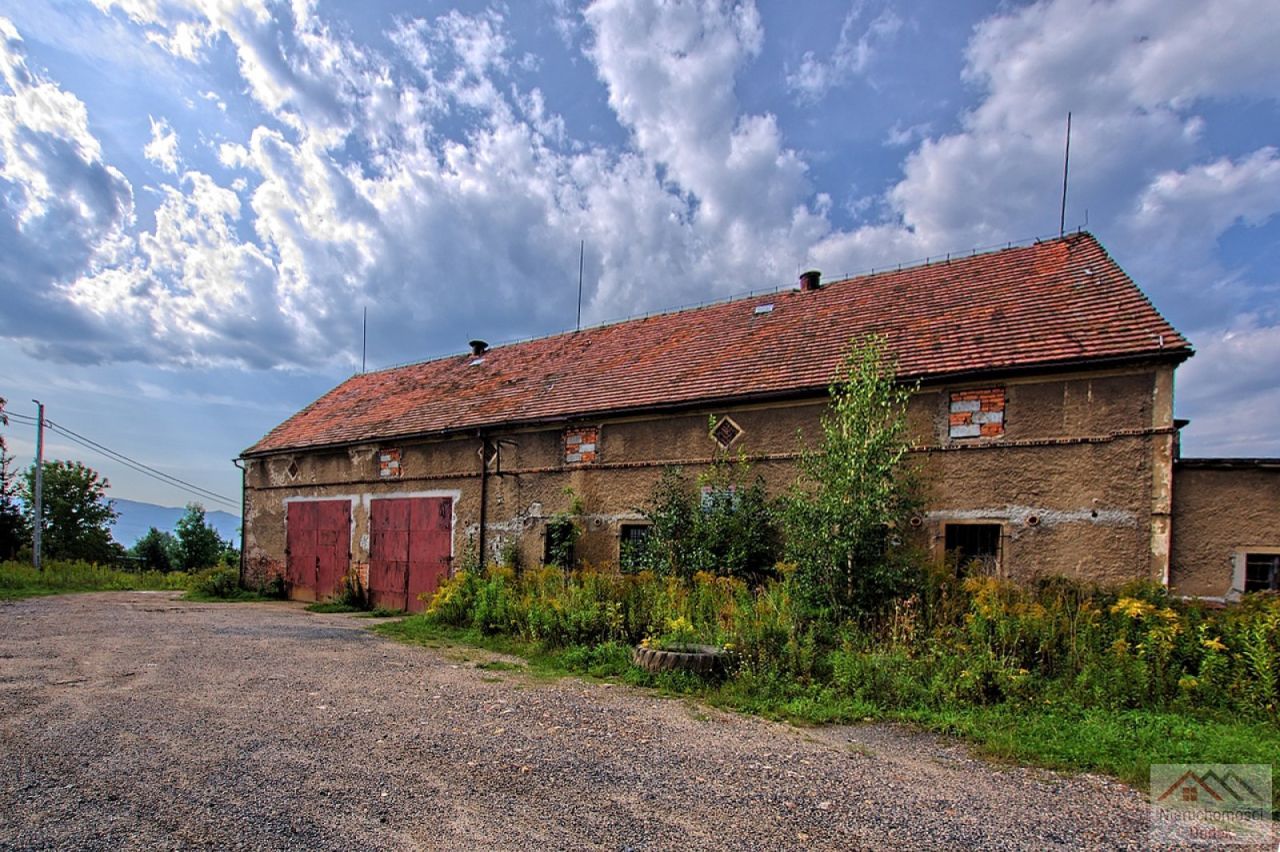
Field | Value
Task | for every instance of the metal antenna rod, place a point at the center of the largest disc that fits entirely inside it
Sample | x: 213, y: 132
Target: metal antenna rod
x: 582, y: 247
x: 364, y: 339
x: 1066, y: 162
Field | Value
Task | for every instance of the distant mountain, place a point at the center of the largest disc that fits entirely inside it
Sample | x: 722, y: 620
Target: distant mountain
x: 136, y: 518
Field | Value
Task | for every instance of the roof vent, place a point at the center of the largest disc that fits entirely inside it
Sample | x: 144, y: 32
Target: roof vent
x: 810, y: 281
x: 478, y: 347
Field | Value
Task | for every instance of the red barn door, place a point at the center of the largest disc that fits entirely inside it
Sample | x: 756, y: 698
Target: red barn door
x: 411, y: 539
x: 317, y: 547
x: 389, y: 553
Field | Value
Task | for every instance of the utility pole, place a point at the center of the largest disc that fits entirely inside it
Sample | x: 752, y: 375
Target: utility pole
x: 39, y: 495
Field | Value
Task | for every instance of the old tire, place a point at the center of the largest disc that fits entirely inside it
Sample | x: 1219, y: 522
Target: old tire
x: 702, y: 660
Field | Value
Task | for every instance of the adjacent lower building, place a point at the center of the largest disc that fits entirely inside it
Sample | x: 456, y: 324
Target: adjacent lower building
x: 1042, y: 424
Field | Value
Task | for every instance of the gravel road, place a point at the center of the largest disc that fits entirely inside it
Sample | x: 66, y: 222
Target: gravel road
x: 136, y: 720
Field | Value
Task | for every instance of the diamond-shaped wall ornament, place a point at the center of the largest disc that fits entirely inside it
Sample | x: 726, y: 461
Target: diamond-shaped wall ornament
x: 292, y: 470
x: 725, y: 432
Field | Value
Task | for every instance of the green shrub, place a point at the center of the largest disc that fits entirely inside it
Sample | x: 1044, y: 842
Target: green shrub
x: 720, y: 523
x: 217, y: 583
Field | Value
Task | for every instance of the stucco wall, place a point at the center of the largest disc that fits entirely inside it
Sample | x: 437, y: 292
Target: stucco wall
x: 1221, y: 512
x: 1072, y: 480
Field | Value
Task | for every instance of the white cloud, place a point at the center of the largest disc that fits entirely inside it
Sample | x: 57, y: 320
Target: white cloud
x: 851, y: 57
x: 63, y: 209
x: 1229, y: 391
x: 162, y: 150
x: 1132, y: 73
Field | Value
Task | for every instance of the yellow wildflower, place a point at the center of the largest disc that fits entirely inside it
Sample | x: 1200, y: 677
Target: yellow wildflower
x: 1213, y: 644
x: 1133, y: 608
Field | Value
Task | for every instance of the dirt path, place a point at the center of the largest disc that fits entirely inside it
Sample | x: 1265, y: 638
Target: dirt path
x: 134, y: 720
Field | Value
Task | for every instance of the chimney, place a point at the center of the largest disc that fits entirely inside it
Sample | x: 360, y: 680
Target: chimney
x: 810, y: 281
x: 478, y: 347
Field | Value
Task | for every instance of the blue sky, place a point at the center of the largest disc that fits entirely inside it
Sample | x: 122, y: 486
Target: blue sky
x: 199, y: 199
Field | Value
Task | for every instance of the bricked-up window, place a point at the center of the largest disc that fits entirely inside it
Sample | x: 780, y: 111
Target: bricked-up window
x: 581, y: 445
x: 968, y: 544
x: 389, y: 464
x: 1262, y: 572
x: 977, y: 413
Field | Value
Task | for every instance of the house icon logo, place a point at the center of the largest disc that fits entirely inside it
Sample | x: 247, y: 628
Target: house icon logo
x: 1228, y: 787
x: 1211, y: 804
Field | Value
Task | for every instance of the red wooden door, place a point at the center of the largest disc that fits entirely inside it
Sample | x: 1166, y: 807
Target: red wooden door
x: 317, y: 547
x: 333, y: 546
x: 388, y: 552
x: 430, y: 545
x: 410, y: 543
x: 300, y: 549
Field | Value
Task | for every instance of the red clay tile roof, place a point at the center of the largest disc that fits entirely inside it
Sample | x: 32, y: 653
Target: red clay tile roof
x: 1049, y: 304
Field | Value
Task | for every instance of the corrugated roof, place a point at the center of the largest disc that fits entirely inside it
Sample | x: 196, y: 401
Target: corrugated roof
x: 1049, y: 304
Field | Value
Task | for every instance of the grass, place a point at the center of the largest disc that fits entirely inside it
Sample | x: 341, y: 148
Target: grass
x: 20, y: 580
x: 1119, y: 743
x: 332, y: 606
x: 235, y: 596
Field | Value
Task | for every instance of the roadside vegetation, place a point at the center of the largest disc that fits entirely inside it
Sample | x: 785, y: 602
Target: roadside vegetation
x: 21, y: 580
x: 828, y: 614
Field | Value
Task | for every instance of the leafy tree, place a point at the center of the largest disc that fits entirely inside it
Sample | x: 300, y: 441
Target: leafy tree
x: 198, y: 544
x: 853, y: 491
x: 77, y: 516
x: 15, y: 533
x: 156, y: 550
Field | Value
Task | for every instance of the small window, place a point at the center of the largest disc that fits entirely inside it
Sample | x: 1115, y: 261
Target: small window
x: 974, y: 543
x: 1262, y: 572
x: 724, y: 432
x: 713, y: 498
x: 632, y: 539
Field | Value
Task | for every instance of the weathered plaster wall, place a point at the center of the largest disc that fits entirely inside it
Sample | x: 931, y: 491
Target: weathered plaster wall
x: 1220, y: 512
x: 1079, y: 453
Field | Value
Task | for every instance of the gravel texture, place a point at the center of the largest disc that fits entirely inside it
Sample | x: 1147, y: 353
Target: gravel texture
x: 136, y: 720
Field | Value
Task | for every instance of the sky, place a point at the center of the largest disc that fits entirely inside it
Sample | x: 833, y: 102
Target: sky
x: 198, y: 201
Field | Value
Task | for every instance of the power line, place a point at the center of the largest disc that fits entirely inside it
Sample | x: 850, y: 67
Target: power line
x: 131, y: 463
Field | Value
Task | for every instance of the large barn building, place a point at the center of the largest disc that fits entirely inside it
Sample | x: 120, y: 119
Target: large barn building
x: 1043, y: 425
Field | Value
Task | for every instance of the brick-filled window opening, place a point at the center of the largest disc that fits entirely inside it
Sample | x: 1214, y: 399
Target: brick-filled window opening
x: 974, y: 547
x: 389, y: 464
x: 581, y: 445
x: 633, y: 539
x: 1262, y: 572
x: 977, y: 413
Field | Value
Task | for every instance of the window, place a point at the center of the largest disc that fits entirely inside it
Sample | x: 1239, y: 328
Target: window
x: 713, y: 498
x: 632, y: 539
x: 724, y: 432
x: 557, y: 546
x: 974, y: 543
x: 1262, y: 572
